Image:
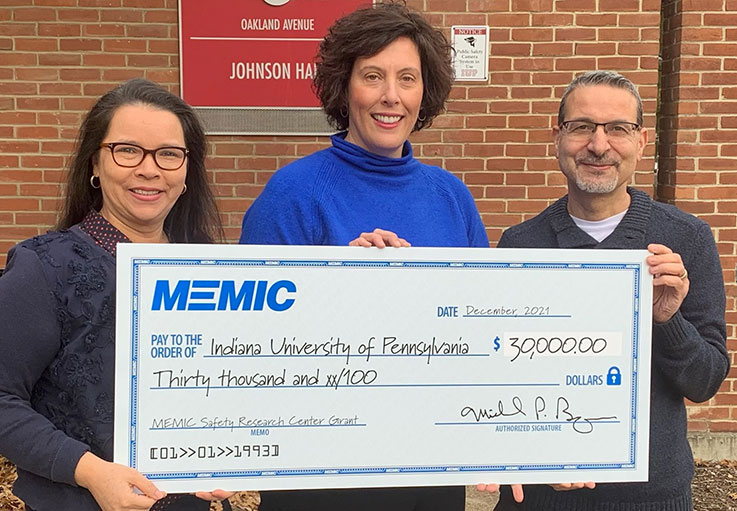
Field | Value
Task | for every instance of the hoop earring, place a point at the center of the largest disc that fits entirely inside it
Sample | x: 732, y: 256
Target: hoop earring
x: 184, y: 190
x: 422, y: 118
x: 92, y: 182
x: 343, y: 114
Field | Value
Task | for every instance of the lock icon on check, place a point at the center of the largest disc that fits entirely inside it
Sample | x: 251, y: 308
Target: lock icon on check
x: 614, y: 377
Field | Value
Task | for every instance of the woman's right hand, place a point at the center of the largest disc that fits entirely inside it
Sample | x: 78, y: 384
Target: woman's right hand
x: 114, y: 486
x: 379, y: 238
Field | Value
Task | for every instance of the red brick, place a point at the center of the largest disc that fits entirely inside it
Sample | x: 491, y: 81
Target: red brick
x: 147, y: 31
x: 37, y: 103
x: 719, y: 49
x: 59, y: 59
x: 144, y: 4
x: 34, y: 14
x: 80, y: 45
x: 575, y: 64
x: 36, y: 44
x: 99, y: 3
x: 18, y: 59
x: 575, y: 34
x: 619, y: 63
x: 596, y: 20
x: 13, y: 204
x: 43, y: 219
x: 42, y: 162
x: 168, y: 16
x: 532, y: 34
x: 464, y: 19
x: 158, y: 46
x: 488, y: 5
x: 13, y: 29
x: 60, y: 89
x: 36, y: 132
x: 640, y: 48
x: 36, y: 74
x: 597, y: 49
x: 552, y: 49
x: 575, y: 5
x: 124, y: 45
x: 488, y: 92
x: 511, y: 49
x: 702, y: 5
x: 504, y: 136
x: 446, y: 5
x: 551, y: 19
x: 103, y: 29
x: 483, y: 151
x: 84, y: 15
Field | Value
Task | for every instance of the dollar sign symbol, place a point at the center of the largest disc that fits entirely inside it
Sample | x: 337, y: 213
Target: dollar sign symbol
x: 496, y: 344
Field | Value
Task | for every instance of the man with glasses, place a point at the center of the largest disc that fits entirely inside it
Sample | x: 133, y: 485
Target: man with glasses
x: 598, y: 141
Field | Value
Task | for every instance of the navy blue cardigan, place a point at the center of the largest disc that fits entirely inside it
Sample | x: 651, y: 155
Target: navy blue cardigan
x: 56, y: 360
x: 689, y: 354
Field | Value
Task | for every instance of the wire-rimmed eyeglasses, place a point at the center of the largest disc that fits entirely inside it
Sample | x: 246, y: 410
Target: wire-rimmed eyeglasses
x: 131, y: 155
x: 586, y: 129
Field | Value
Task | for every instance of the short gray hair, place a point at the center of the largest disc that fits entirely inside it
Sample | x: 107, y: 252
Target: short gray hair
x: 609, y: 78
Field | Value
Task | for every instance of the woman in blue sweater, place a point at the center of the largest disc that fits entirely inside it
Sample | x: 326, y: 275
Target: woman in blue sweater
x: 382, y: 73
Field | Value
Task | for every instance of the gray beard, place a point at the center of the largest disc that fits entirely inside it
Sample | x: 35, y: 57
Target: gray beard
x: 590, y: 186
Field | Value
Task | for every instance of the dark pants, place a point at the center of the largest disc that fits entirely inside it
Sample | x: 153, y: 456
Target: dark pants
x: 185, y: 502
x: 438, y: 498
x: 180, y: 502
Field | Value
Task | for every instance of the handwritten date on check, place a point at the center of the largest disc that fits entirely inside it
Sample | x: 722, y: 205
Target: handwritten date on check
x: 253, y: 367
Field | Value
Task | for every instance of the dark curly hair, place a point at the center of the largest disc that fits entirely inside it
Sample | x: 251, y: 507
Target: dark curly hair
x: 194, y: 217
x: 366, y: 32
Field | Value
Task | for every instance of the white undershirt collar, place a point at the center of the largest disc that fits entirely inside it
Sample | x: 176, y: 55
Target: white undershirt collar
x: 599, y: 229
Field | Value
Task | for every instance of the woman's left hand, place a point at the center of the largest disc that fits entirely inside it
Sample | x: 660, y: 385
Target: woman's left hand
x: 214, y: 495
x: 379, y: 238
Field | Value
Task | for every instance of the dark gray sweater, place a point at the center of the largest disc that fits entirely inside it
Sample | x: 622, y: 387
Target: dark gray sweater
x: 689, y: 355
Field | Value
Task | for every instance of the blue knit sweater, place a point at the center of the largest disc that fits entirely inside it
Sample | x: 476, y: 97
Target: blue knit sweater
x: 332, y: 196
x: 689, y: 355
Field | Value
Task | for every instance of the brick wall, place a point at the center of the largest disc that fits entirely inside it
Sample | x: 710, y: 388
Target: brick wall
x: 57, y: 56
x: 698, y: 150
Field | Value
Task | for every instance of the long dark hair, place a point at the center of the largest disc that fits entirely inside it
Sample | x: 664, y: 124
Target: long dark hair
x: 194, y: 217
x: 366, y: 32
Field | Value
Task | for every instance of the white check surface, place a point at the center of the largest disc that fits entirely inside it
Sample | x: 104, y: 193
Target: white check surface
x: 368, y: 367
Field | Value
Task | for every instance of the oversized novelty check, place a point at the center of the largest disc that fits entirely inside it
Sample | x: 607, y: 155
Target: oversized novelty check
x: 249, y: 367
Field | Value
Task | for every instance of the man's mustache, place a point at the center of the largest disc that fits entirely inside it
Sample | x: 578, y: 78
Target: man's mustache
x: 597, y: 161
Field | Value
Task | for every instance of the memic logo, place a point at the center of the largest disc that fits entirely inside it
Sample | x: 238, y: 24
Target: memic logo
x: 210, y: 295
x: 276, y: 3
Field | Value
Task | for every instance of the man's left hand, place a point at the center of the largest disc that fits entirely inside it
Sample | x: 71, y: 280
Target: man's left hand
x: 670, y: 281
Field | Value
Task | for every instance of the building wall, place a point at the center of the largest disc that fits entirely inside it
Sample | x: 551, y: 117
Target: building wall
x: 57, y: 56
x: 698, y: 150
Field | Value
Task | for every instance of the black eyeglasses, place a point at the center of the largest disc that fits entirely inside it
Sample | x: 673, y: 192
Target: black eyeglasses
x: 586, y: 129
x: 132, y: 155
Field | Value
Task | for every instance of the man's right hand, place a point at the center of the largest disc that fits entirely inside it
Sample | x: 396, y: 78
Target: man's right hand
x: 517, y: 492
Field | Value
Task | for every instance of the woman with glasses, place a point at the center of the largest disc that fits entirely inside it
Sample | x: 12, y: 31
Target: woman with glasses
x: 138, y: 175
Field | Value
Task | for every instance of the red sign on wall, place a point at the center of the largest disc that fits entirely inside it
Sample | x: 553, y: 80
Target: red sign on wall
x: 253, y: 53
